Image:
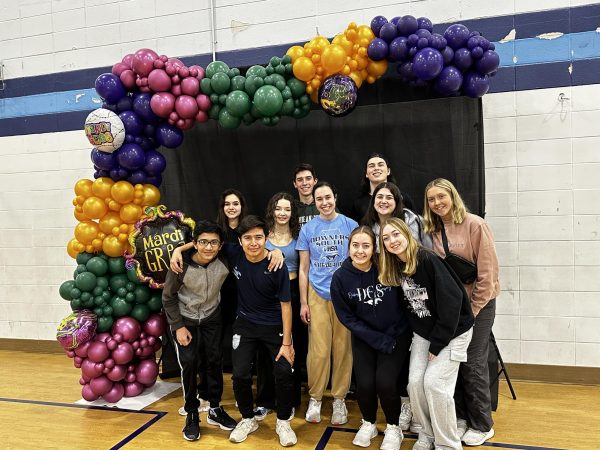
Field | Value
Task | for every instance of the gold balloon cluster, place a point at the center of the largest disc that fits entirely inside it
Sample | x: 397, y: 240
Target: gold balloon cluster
x: 346, y: 55
x: 116, y: 206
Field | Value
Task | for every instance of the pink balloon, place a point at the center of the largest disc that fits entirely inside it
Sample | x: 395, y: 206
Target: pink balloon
x: 78, y: 359
x: 76, y: 365
x: 128, y: 326
x: 176, y: 90
x: 98, y: 352
x: 117, y: 373
x: 180, y: 123
x: 176, y: 62
x: 82, y: 381
x: 112, y: 344
x: 186, y: 106
x: 70, y: 353
x: 155, y: 325
x: 130, y: 377
x: 88, y: 394
x: 128, y: 59
x: 138, y: 81
x: 89, y: 369
x: 151, y: 340
x: 176, y: 79
x: 102, y: 337
x: 138, y: 351
x: 146, y: 371
x: 201, y: 117
x: 159, y: 81
x: 190, y: 86
x: 135, y: 345
x: 123, y: 353
x: 158, y: 64
x: 144, y: 343
x: 118, y: 68
x: 183, y: 72
x: 83, y: 349
x: 101, y: 385
x: 128, y: 79
x: 118, y: 337
x: 187, y: 124
x: 133, y: 389
x: 109, y: 363
x: 131, y: 368
x: 204, y: 102
x: 162, y: 104
x: 115, y: 394
x: 146, y: 352
x: 170, y: 69
x: 163, y: 58
x: 143, y: 60
x: 145, y: 89
x: 171, y: 121
x: 197, y: 71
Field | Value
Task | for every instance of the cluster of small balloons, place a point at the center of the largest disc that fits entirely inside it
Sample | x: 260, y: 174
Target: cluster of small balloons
x: 121, y: 363
x: 103, y: 285
x: 318, y: 59
x: 116, y: 206
x: 263, y: 93
x: 459, y: 61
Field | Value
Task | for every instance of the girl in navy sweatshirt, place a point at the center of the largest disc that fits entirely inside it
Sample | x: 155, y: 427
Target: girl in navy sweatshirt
x: 380, y: 336
x: 441, y: 319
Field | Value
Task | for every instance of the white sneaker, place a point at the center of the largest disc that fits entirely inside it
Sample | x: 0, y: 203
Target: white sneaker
x: 292, y: 414
x: 415, y: 427
x: 405, y: 416
x: 422, y: 445
x: 340, y: 412
x: 243, y: 429
x: 204, y: 407
x: 313, y: 413
x: 366, y: 432
x: 287, y: 437
x: 461, y: 427
x: 473, y: 437
x: 392, y: 438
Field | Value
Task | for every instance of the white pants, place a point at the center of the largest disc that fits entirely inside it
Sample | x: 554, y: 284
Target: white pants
x: 431, y: 389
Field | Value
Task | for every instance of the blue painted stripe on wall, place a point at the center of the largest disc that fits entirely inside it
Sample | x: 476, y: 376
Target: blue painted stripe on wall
x: 53, y: 102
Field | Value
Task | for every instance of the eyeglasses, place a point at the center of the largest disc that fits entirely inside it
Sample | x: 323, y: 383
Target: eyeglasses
x: 205, y: 243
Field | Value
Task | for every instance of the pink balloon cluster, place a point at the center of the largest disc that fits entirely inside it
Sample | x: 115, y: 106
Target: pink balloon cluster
x: 122, y: 363
x: 176, y: 88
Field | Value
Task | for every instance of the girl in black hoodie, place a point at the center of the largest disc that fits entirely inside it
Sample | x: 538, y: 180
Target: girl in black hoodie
x: 380, y: 336
x: 440, y: 315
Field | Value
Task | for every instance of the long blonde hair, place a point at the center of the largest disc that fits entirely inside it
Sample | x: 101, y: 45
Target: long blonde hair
x: 433, y: 222
x: 390, y: 270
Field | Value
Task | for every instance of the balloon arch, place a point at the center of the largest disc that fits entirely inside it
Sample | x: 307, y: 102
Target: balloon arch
x: 149, y: 100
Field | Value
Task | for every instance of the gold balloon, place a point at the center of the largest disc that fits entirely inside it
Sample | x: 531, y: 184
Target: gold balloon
x: 101, y: 187
x: 365, y: 32
x: 377, y: 68
x: 83, y: 187
x: 130, y: 213
x: 94, y: 207
x: 79, y: 215
x: 318, y: 44
x: 86, y: 231
x: 122, y: 192
x: 341, y: 39
x: 71, y: 248
x: 333, y: 58
x: 295, y: 52
x: 357, y: 78
x: 110, y: 221
x: 112, y: 247
x: 304, y: 69
x: 151, y: 195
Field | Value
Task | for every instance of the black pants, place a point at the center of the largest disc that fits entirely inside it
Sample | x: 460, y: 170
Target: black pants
x: 377, y: 376
x: 205, y: 344
x: 247, y: 337
x: 472, y: 396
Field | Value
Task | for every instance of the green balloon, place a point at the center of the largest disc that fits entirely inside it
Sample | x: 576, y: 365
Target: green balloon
x: 86, y: 297
x: 220, y: 83
x: 237, y: 83
x: 105, y: 323
x: 106, y: 295
x: 248, y: 119
x: 213, y: 112
x: 132, y: 276
x: 214, y: 98
x: 236, y: 71
x: 83, y: 258
x: 280, y: 70
x: 97, y: 290
x: 250, y: 85
x: 98, y: 266
x: 287, y: 59
x: 88, y: 304
x: 103, y: 256
x: 222, y: 99
x: 266, y: 121
x: 231, y: 73
x: 130, y: 286
x: 304, y: 100
x: 116, y: 265
x: 268, y: 100
x: 118, y: 281
x: 81, y: 268
x: 75, y: 304
x: 286, y: 94
x: 86, y: 281
x: 99, y: 301
x: 140, y: 313
x: 258, y: 71
x: 275, y: 61
x: 216, y: 67
x: 130, y: 297
x: 297, y: 87
x: 75, y: 293
x: 122, y: 291
x: 155, y: 302
x: 102, y: 282
x: 142, y: 294
x: 205, y: 86
x: 288, y: 107
x: 238, y: 103
x: 120, y: 306
x: 98, y: 311
x: 107, y: 310
x: 270, y: 70
x: 289, y: 69
x: 269, y: 80
x: 65, y: 289
x: 227, y: 120
x: 255, y: 112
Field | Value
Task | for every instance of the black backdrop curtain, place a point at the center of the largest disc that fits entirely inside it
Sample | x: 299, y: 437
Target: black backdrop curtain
x: 423, y: 137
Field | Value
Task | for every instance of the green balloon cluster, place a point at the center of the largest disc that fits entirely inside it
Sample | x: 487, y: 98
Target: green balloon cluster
x: 264, y: 93
x: 103, y: 285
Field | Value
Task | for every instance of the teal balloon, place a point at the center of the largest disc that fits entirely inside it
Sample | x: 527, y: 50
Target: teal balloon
x: 205, y: 86
x: 140, y: 313
x: 65, y: 289
x: 268, y: 100
x: 238, y: 103
x: 85, y: 281
x: 258, y: 71
x: 216, y: 67
x: 220, y: 83
x: 297, y: 87
x: 227, y: 120
x: 238, y: 83
x: 116, y: 265
x: 98, y: 266
x: 83, y: 258
x: 275, y: 61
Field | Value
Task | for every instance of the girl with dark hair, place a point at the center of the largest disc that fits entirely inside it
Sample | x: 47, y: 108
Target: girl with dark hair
x: 380, y: 337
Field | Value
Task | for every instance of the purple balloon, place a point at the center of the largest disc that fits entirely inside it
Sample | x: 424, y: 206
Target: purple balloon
x: 101, y: 385
x: 489, y: 62
x: 473, y: 42
x: 377, y: 23
x: 146, y: 371
x: 463, y: 59
x: 412, y: 52
x: 388, y: 32
x: 155, y: 163
x: 412, y: 40
x: 110, y: 106
x: 115, y: 394
x: 97, y: 352
x: 110, y: 88
x: 124, y: 104
x: 133, y: 389
x: 134, y: 126
x: 475, y: 85
x: 395, y: 20
x: 492, y: 46
x: 138, y: 177
x: 423, y: 33
x: 118, y: 174
x: 131, y: 156
x: 377, y: 50
x: 162, y: 104
x: 159, y: 80
x: 398, y: 49
x: 448, y: 81
x: 103, y: 160
x: 155, y: 180
x: 128, y: 327
x: 407, y: 25
x: 141, y: 106
x: 428, y: 63
x: 456, y: 35
x: 405, y: 70
x: 448, y: 55
x: 477, y: 52
x: 169, y: 135
x: 425, y: 24
x: 422, y: 43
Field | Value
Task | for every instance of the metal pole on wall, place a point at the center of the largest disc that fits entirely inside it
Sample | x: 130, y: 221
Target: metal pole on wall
x: 213, y: 30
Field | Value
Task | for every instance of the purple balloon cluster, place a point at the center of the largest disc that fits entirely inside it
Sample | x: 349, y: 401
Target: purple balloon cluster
x: 121, y: 364
x: 460, y: 61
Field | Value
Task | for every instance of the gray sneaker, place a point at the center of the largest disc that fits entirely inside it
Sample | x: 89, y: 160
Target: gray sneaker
x: 243, y: 429
x: 287, y: 437
x: 340, y: 412
x: 405, y: 416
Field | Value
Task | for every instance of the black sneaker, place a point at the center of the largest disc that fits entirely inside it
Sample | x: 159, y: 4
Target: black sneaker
x: 191, y: 431
x: 218, y: 416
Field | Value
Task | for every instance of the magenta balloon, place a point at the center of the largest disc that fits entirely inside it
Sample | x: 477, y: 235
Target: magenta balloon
x: 199, y: 72
x: 146, y: 371
x: 101, y: 385
x: 118, y: 68
x: 88, y: 394
x: 82, y: 381
x: 109, y: 363
x: 159, y: 64
x: 157, y: 345
x: 115, y: 394
x: 127, y: 59
x: 204, y: 102
x: 155, y: 325
x: 118, y: 337
x: 76, y: 365
x: 123, y: 353
x: 201, y: 117
x: 151, y: 341
x: 146, y: 352
x: 70, y: 353
x: 159, y: 81
x: 143, y: 342
x: 133, y: 389
x: 183, y: 72
x: 130, y: 377
x: 128, y: 327
x: 78, y: 359
x: 112, y: 344
x: 135, y: 345
x: 176, y: 62
x: 190, y: 86
x: 83, y: 349
x: 117, y: 373
x: 170, y: 69
x: 176, y: 90
x: 102, y: 337
x: 89, y: 369
x: 131, y: 368
x: 162, y: 104
x: 138, y: 351
x: 186, y: 106
x: 97, y: 352
x: 143, y: 61
x: 163, y: 58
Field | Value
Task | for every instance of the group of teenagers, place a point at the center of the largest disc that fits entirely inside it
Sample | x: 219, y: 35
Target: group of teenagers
x: 313, y: 293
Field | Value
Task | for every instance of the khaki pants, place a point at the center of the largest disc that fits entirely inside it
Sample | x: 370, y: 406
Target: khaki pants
x: 327, y: 339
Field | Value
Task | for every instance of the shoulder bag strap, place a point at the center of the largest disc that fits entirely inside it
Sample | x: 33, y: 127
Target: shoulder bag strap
x: 445, y: 240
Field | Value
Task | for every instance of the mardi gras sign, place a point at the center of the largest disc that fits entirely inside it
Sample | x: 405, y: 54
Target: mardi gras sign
x: 153, y: 241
